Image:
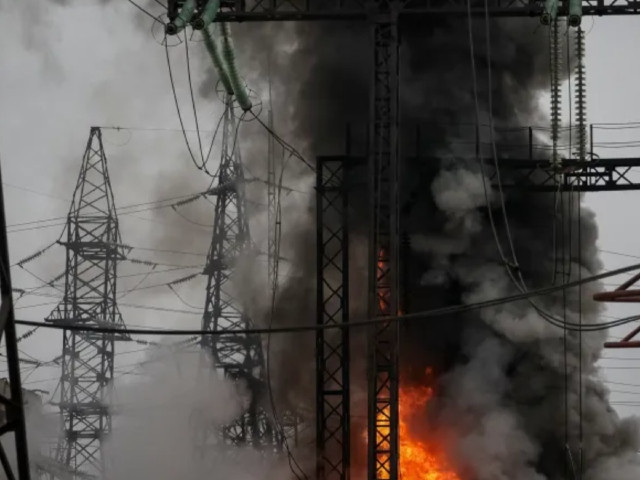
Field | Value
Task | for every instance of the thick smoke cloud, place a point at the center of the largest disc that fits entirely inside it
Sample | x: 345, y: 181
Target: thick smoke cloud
x: 503, y: 383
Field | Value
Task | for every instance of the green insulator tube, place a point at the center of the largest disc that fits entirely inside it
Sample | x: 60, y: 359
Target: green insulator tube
x: 216, y: 58
x: 575, y: 13
x: 183, y: 18
x: 230, y: 59
x: 208, y: 15
x: 550, y: 12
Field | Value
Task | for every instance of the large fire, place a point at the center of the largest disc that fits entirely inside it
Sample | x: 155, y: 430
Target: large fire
x: 420, y: 459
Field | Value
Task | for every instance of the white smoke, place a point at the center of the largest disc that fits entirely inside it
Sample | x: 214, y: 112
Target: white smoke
x: 507, y: 402
x: 159, y: 419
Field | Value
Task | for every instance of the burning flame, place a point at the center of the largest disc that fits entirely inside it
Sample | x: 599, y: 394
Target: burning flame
x: 419, y: 459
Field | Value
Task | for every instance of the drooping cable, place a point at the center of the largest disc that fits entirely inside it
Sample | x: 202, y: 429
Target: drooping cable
x: 518, y: 280
x: 177, y: 104
x: 193, y: 99
x: 274, y: 291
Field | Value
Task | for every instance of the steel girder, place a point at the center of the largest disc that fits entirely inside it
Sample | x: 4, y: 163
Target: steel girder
x: 238, y: 357
x: 93, y: 249
x: 292, y: 10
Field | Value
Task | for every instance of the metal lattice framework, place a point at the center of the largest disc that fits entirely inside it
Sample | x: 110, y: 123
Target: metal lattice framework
x: 601, y: 175
x: 332, y: 346
x: 93, y: 249
x: 11, y: 406
x: 274, y: 10
x: 238, y: 357
x: 383, y: 253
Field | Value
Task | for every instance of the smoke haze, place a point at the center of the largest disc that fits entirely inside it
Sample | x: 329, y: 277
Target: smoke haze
x: 502, y: 389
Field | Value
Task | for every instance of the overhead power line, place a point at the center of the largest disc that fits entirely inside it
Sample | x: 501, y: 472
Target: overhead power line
x: 438, y: 312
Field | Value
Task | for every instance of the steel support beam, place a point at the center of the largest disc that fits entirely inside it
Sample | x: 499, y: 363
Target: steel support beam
x: 598, y: 175
x: 623, y: 294
x: 382, y: 369
x: 306, y: 10
x: 332, y: 346
x: 14, y: 421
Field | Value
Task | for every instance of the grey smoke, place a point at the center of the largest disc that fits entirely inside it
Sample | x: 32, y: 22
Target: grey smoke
x: 316, y: 84
x: 159, y: 418
x: 503, y: 386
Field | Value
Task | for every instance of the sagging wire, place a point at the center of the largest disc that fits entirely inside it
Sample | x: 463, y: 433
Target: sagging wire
x: 146, y: 12
x: 274, y: 291
x: 582, y: 134
x: 138, y: 284
x: 193, y: 100
x: 519, y: 282
x: 177, y: 104
x: 283, y: 143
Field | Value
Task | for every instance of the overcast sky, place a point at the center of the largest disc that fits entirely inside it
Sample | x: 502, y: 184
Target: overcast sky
x: 67, y: 67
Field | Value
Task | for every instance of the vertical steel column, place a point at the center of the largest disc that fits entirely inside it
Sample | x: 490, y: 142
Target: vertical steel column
x: 384, y: 238
x: 93, y: 249
x: 332, y: 346
x: 13, y: 406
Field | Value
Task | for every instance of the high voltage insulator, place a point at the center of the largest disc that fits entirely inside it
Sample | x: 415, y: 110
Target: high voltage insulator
x: 229, y: 55
x: 142, y: 262
x: 184, y: 279
x: 208, y: 14
x: 581, y: 95
x: 183, y: 18
x: 56, y: 278
x: 218, y: 62
x: 35, y: 255
x: 555, y: 47
x: 186, y: 201
x: 550, y: 12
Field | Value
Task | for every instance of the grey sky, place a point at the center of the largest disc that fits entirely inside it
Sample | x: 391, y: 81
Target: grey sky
x: 65, y: 68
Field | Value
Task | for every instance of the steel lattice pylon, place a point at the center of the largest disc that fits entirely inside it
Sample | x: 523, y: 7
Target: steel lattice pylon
x: 384, y: 238
x: 93, y: 249
x: 238, y: 357
x: 333, y: 413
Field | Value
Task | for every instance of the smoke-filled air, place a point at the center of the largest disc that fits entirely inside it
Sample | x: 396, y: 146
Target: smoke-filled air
x: 499, y: 393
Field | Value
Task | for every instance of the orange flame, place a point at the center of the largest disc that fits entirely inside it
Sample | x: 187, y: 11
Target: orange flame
x: 419, y: 459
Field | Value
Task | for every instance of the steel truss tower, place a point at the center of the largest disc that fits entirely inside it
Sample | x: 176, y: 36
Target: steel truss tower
x: 332, y: 346
x: 383, y: 253
x: 238, y: 357
x: 93, y: 250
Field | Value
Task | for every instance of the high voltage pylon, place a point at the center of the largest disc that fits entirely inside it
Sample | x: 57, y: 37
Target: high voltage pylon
x: 93, y: 250
x: 237, y: 357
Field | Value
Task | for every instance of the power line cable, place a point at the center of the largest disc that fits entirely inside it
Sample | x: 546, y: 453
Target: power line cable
x: 434, y: 313
x: 146, y: 12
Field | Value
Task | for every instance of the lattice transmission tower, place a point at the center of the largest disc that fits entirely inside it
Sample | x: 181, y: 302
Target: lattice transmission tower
x: 238, y: 357
x: 93, y: 250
